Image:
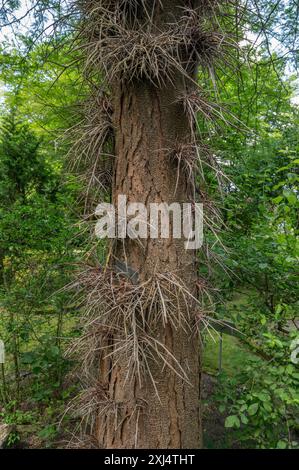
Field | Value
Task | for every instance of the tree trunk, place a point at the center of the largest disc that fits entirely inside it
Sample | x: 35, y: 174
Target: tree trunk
x: 148, y: 122
x: 149, y: 372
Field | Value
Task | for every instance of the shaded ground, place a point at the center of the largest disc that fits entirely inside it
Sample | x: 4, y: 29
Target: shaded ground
x: 213, y: 421
x: 216, y: 436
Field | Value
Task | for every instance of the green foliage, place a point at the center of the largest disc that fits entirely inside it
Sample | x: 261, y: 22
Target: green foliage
x: 47, y: 366
x: 260, y: 401
x: 13, y: 416
x: 22, y: 168
x: 262, y: 404
x: 37, y: 244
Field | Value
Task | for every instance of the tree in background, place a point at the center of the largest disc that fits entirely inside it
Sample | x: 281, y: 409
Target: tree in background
x: 35, y: 245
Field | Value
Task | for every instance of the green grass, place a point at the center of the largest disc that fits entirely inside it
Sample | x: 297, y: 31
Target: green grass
x: 234, y: 355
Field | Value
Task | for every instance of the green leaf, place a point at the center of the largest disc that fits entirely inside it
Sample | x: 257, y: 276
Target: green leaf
x: 28, y: 358
x: 281, y: 445
x: 278, y: 309
x: 263, y: 320
x: 253, y: 409
x: 291, y: 197
x: 232, y: 421
x: 262, y: 396
x: 277, y: 199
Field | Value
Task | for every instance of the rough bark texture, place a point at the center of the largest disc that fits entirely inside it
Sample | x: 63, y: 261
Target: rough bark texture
x: 148, y: 120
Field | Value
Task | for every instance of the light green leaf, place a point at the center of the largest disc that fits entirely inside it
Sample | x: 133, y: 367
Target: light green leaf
x: 253, y: 409
x: 232, y: 421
